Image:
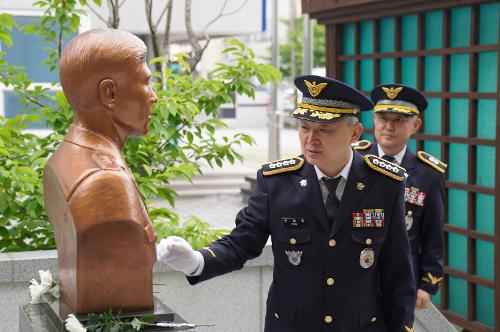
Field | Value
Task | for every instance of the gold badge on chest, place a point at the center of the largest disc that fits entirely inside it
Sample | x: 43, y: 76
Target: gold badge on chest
x: 367, y: 258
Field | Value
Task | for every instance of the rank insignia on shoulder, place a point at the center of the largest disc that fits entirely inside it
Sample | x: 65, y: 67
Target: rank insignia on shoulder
x: 432, y: 161
x: 387, y: 168
x: 281, y: 166
x: 408, y: 329
x: 361, y: 145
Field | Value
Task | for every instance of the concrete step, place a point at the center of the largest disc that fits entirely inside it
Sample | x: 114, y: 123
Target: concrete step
x: 223, y: 181
x: 207, y: 192
x: 208, y: 183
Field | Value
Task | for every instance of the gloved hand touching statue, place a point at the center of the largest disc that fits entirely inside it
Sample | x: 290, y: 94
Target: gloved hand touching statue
x: 178, y: 254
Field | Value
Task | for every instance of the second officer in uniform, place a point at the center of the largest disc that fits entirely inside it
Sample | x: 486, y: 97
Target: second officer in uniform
x: 396, y: 118
x: 341, y: 253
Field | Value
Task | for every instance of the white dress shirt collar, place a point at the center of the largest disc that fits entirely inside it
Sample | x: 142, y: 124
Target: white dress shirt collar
x: 344, y: 173
x: 398, y: 156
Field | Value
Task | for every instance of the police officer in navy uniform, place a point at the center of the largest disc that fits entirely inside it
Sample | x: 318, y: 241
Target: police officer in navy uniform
x: 396, y: 118
x: 341, y: 253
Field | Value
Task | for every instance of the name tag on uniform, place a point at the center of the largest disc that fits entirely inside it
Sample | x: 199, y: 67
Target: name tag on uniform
x: 293, y: 222
x: 414, y: 196
x: 370, y: 218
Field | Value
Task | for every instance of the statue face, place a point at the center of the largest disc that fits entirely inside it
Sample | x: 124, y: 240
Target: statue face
x: 134, y: 100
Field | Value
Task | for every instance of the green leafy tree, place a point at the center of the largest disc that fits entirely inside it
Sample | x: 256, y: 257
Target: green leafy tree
x: 181, y: 137
x: 295, y: 44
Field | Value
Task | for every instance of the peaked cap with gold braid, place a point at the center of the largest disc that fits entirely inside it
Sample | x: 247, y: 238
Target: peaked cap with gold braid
x: 398, y: 98
x: 325, y: 99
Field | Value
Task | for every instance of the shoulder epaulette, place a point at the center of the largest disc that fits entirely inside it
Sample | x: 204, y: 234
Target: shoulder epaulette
x: 432, y: 161
x: 387, y: 168
x: 281, y: 166
x: 361, y: 145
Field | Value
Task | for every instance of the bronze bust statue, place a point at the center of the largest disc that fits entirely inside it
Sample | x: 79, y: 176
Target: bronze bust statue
x: 105, y: 240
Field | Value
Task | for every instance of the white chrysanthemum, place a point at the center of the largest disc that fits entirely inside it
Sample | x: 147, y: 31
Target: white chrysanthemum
x: 46, y: 278
x: 73, y: 324
x: 38, y: 289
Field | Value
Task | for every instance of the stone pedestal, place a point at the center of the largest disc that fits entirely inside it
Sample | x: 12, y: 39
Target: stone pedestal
x: 50, y: 315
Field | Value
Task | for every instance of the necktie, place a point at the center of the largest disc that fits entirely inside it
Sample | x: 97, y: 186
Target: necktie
x: 389, y: 158
x: 332, y: 202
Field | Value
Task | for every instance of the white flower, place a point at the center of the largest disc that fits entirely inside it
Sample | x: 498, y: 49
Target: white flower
x: 38, y: 289
x: 73, y: 325
x: 46, y: 278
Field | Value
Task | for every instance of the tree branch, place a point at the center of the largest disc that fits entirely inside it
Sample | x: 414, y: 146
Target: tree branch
x: 166, y: 38
x: 34, y: 101
x: 97, y: 14
x: 114, y: 18
x: 198, y: 50
x: 60, y: 37
x: 152, y: 29
x: 221, y: 14
x: 161, y: 15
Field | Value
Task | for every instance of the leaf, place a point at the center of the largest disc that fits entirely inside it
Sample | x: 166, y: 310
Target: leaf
x: 5, y: 37
x: 147, y: 169
x: 158, y: 59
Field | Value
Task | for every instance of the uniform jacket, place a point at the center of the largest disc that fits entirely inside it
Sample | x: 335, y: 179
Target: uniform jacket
x: 105, y: 240
x: 329, y: 281
x: 424, y: 200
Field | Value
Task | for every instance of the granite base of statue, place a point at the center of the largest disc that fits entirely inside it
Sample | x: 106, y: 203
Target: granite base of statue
x: 50, y: 316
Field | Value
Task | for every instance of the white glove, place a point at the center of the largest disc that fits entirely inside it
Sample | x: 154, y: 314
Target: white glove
x: 178, y: 254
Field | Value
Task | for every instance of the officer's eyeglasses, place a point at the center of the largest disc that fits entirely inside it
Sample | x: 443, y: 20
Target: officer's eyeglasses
x: 395, y: 121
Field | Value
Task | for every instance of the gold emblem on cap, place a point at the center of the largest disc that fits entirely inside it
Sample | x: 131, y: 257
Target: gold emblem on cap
x: 392, y: 92
x: 323, y: 115
x: 314, y: 89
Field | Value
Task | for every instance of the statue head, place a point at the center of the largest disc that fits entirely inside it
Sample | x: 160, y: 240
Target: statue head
x: 105, y: 78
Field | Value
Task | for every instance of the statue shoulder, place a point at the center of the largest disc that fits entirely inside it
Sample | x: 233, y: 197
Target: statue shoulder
x: 282, y: 166
x: 432, y: 161
x: 385, y: 167
x: 105, y: 160
x: 362, y: 145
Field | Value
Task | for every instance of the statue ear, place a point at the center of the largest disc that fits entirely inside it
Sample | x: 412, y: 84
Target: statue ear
x: 107, y: 91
